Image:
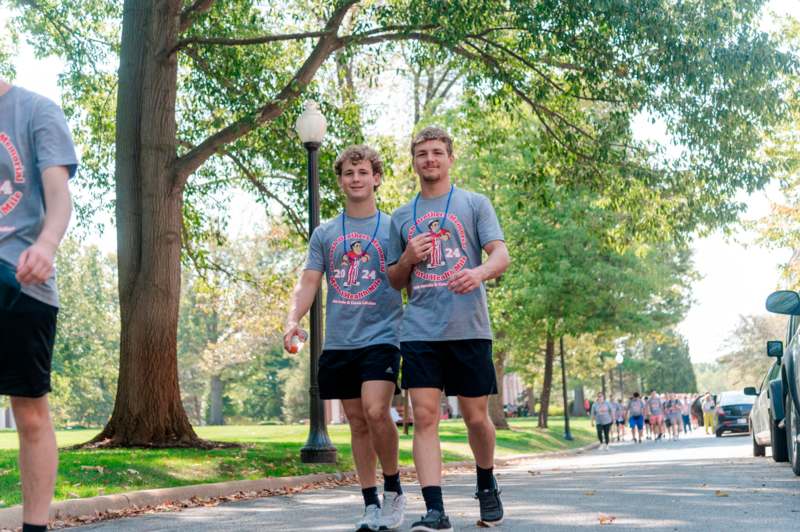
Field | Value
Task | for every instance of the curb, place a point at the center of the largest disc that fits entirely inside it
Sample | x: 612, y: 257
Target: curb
x: 10, y: 518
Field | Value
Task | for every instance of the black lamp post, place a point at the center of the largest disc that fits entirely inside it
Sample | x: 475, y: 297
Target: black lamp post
x: 567, y: 433
x: 318, y: 449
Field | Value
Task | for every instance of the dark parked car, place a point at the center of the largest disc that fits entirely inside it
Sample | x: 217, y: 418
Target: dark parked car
x: 733, y: 411
x: 766, y: 431
x: 788, y: 417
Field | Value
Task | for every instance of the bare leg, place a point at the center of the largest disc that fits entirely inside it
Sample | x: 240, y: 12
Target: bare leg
x: 363, y: 453
x: 38, y: 457
x: 376, y: 397
x: 480, y: 429
x: 427, y: 450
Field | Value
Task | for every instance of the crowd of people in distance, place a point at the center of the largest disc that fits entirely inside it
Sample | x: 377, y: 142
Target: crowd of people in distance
x: 653, y: 417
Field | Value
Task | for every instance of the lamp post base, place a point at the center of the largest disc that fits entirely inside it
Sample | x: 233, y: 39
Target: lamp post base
x: 568, y: 436
x: 318, y: 455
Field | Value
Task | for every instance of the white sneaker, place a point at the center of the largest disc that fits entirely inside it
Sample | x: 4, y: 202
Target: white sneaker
x: 371, y: 520
x: 605, y: 446
x: 393, y: 510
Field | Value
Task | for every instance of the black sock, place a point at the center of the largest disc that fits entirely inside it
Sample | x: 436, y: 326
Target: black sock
x: 33, y: 528
x: 433, y: 498
x: 392, y: 483
x: 371, y: 496
x: 485, y: 478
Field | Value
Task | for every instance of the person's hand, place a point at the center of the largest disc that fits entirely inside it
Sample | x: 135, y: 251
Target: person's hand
x: 418, y: 249
x: 35, y: 264
x: 291, y: 330
x: 465, y: 281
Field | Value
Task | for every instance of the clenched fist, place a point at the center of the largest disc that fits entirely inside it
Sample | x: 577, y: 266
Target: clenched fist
x: 36, y: 264
x: 418, y: 249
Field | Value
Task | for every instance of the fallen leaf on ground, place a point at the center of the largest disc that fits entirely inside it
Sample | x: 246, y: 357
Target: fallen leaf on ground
x: 98, y: 468
x: 589, y: 493
x: 606, y: 519
x: 720, y: 493
x: 535, y: 472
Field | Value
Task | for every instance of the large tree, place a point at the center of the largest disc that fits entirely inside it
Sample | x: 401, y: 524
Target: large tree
x: 206, y: 92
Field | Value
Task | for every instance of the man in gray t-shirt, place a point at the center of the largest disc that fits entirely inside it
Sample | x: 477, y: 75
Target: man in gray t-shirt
x: 435, y: 249
x: 361, y: 357
x: 37, y: 158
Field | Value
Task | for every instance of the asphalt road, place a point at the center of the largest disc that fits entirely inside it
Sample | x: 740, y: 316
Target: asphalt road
x: 698, y: 483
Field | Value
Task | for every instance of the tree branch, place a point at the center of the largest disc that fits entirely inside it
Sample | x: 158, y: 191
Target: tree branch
x: 251, y: 176
x: 329, y: 43
x: 190, y: 13
x: 262, y: 39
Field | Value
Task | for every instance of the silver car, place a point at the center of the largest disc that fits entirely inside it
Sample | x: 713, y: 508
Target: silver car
x: 766, y: 432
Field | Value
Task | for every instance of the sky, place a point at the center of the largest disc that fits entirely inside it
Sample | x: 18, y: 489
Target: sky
x: 736, y: 273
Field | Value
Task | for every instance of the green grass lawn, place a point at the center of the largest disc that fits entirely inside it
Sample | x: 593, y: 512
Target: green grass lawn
x: 268, y: 451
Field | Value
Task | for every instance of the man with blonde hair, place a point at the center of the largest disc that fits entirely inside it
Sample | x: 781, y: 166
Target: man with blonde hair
x: 361, y: 357
x: 435, y: 253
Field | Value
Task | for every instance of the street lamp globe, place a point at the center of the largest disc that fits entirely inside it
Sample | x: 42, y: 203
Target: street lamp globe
x: 311, y: 124
x: 619, y: 358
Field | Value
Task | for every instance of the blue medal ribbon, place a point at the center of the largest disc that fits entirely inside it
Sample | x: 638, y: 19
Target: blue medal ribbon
x: 446, y: 209
x: 374, y: 234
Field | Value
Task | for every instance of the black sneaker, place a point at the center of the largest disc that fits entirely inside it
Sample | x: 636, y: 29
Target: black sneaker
x: 491, y: 507
x: 433, y: 521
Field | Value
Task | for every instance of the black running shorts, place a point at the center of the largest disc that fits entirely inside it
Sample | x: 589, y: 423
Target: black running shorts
x: 342, y: 371
x: 459, y: 367
x: 28, y: 332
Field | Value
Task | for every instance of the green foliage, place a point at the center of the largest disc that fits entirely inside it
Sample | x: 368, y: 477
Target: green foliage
x: 230, y: 327
x: 85, y: 358
x: 668, y: 367
x: 584, y: 70
x: 295, y: 397
x: 711, y: 377
x: 745, y: 361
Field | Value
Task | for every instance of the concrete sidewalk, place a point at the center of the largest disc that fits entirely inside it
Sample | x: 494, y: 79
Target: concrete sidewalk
x: 699, y: 483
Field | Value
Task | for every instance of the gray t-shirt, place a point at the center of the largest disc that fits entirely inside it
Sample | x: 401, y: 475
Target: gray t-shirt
x: 362, y: 309
x: 635, y: 407
x: 33, y: 137
x: 602, y: 411
x: 619, y: 413
x: 655, y: 405
x: 434, y: 312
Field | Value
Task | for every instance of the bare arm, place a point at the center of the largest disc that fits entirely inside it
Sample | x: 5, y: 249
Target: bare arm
x: 303, y: 296
x: 36, y: 263
x: 468, y: 280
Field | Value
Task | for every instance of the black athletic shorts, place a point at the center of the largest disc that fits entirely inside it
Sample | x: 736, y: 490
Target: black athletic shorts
x: 342, y: 371
x: 459, y: 367
x: 28, y: 332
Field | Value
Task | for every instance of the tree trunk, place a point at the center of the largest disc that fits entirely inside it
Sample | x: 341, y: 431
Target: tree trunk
x: 549, y: 354
x: 496, y: 411
x: 148, y: 409
x: 530, y: 400
x: 578, y: 406
x: 215, y: 416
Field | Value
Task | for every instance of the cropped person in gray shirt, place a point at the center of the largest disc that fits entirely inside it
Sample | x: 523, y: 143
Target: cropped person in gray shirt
x: 361, y: 358
x: 37, y: 159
